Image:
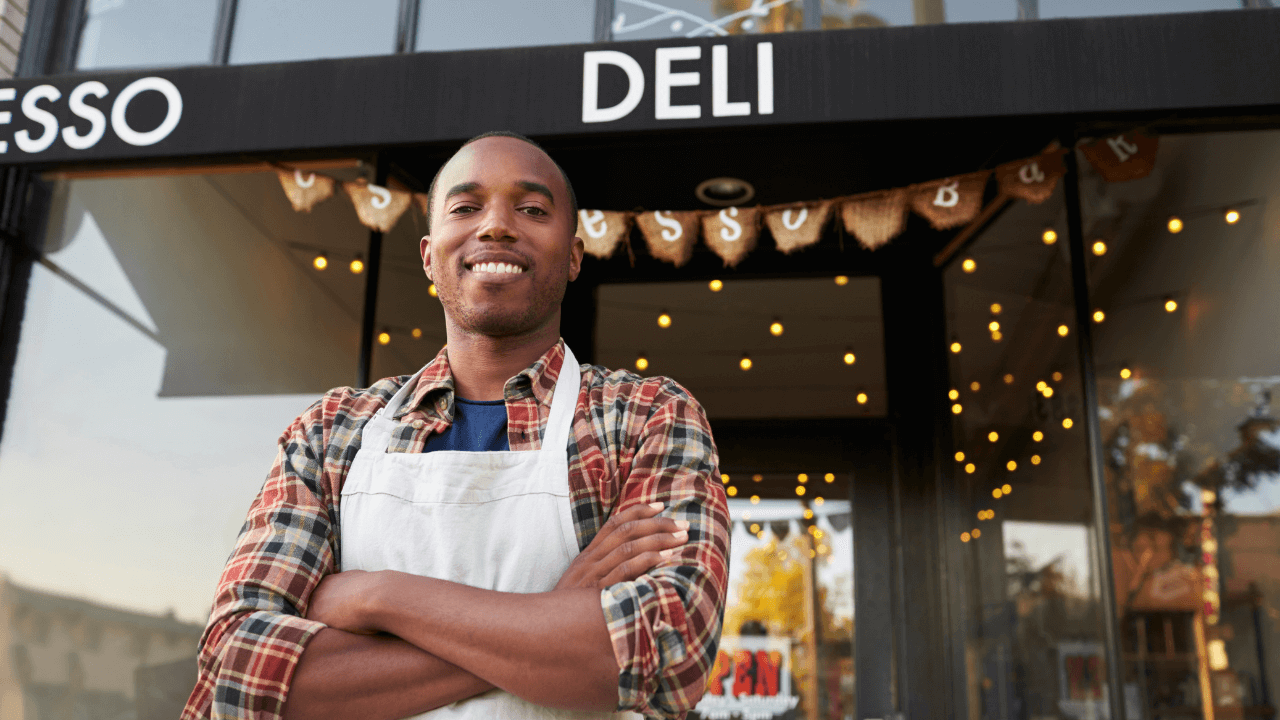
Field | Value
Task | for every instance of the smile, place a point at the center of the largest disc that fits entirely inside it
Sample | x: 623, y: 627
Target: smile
x: 496, y: 268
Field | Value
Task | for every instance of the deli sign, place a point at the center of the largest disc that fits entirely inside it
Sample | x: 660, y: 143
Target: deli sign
x: 93, y: 111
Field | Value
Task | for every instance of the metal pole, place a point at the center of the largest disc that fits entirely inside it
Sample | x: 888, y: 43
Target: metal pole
x: 373, y: 264
x: 604, y: 20
x: 225, y: 29
x: 1093, y: 434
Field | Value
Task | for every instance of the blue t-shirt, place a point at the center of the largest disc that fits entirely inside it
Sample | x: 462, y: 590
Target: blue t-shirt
x: 478, y: 426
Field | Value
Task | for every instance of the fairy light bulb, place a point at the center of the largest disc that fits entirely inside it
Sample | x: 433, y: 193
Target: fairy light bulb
x: 664, y: 320
x: 1035, y: 459
x: 1125, y: 373
x: 955, y: 347
x: 954, y: 394
x: 1067, y: 423
x: 1008, y: 378
x: 975, y: 386
x: 384, y: 337
x: 1011, y: 465
x: 959, y: 456
x: 1170, y: 305
x: 964, y: 537
x: 842, y: 280
x: 997, y: 493
x: 724, y: 478
x: 976, y: 533
x: 715, y: 285
x: 850, y: 358
x: 996, y: 308
x: 1057, y: 377
x: 1006, y: 489
x: 1232, y: 216
x: 997, y: 336
x: 775, y: 328
x: 1063, y: 330
x: 956, y: 408
x: 1041, y: 385
x: 818, y: 501
x: 1175, y: 224
x: 829, y: 477
x: 800, y: 490
x: 321, y: 262
x: 1037, y: 436
x: 1099, y: 248
x: 642, y: 362
x: 731, y: 491
x: 1099, y: 316
x: 802, y: 478
x: 862, y: 398
x: 1047, y: 391
x: 432, y: 291
x: 969, y: 265
x: 993, y: 436
x: 970, y: 468
x: 755, y: 499
x: 1049, y: 236
x: 994, y: 326
x: 357, y: 266
x: 745, y: 362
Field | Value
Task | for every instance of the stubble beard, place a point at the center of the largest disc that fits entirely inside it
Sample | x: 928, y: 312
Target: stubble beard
x: 503, y: 322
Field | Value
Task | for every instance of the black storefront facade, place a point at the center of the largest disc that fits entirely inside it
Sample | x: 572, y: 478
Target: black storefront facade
x: 1047, y: 503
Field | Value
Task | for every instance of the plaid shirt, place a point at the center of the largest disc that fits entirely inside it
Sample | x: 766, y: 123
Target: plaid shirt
x: 634, y: 440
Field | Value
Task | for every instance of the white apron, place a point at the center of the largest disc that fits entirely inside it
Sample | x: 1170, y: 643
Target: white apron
x: 495, y: 520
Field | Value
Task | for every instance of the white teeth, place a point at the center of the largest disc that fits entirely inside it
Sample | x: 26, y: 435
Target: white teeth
x: 494, y: 267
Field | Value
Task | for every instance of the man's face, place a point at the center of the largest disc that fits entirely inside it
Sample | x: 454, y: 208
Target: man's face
x: 502, y: 245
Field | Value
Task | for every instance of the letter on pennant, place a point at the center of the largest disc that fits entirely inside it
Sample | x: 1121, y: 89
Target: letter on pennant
x: 951, y: 202
x: 602, y: 231
x: 305, y: 190
x: 731, y: 233
x: 378, y: 208
x: 795, y: 227
x: 1031, y: 179
x: 669, y: 235
x: 1127, y: 156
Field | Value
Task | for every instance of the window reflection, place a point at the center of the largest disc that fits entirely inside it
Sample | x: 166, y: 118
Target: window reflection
x: 279, y: 30
x: 645, y: 19
x: 880, y: 13
x: 1188, y: 421
x: 146, y: 33
x: 474, y: 24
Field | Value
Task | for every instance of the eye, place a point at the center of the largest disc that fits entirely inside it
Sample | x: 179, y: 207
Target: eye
x: 462, y: 209
x: 534, y: 210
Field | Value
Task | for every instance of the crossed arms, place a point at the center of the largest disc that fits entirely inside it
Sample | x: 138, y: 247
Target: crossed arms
x: 626, y: 628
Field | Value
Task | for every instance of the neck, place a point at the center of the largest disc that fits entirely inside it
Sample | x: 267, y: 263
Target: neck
x: 481, y: 364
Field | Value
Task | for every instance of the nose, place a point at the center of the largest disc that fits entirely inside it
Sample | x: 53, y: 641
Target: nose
x: 498, y: 224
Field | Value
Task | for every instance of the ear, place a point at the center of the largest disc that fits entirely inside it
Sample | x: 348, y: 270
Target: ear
x: 575, y: 258
x: 424, y: 249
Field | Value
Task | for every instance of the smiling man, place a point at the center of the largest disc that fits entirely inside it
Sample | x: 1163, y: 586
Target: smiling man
x: 506, y: 533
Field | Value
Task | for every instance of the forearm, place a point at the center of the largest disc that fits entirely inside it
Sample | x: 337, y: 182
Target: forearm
x: 552, y: 649
x: 346, y: 676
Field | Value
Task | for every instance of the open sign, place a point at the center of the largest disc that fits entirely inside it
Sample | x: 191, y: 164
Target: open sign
x: 751, y: 678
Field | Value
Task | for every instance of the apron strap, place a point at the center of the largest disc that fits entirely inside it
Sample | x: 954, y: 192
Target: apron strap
x: 564, y: 401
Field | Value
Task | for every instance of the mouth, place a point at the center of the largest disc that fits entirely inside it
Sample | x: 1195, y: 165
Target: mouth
x: 495, y: 268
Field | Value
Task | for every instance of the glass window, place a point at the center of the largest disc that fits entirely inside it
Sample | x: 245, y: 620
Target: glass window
x: 1188, y: 360
x: 880, y: 13
x: 145, y: 33
x: 278, y: 30
x: 172, y: 331
x: 1019, y: 532
x: 472, y: 24
x: 643, y: 19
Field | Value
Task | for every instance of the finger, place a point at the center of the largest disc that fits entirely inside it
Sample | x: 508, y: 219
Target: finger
x: 634, y: 530
x: 653, y: 542
x: 633, y: 568
x: 622, y: 518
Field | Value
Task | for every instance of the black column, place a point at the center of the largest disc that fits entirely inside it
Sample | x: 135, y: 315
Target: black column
x: 372, y: 268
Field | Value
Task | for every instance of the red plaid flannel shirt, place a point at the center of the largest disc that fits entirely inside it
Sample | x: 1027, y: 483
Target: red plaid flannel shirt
x: 634, y: 440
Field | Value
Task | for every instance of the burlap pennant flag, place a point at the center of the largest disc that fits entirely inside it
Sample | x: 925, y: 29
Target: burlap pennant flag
x: 378, y: 208
x: 669, y: 235
x: 731, y: 233
x: 1127, y: 156
x: 875, y: 218
x: 950, y: 202
x: 602, y: 231
x: 305, y: 190
x: 423, y: 203
x: 797, y: 226
x: 1031, y: 179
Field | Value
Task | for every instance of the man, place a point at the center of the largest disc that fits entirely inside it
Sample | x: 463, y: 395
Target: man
x: 505, y: 534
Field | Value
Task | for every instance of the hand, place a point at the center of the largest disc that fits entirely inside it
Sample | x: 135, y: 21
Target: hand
x: 341, y: 601
x: 631, y: 543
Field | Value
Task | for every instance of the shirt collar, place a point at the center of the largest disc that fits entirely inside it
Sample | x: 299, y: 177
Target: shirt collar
x: 435, y: 384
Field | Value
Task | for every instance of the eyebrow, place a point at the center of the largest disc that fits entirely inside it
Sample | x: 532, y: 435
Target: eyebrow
x: 527, y: 185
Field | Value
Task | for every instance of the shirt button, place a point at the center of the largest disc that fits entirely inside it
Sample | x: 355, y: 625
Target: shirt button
x: 417, y: 424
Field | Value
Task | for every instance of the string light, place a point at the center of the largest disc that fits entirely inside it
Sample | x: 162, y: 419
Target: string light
x: 1232, y: 216
x: 731, y: 491
x: 384, y: 337
x: 955, y: 347
x: 1011, y: 465
x: 775, y: 328
x: 964, y: 537
x: 996, y: 308
x: 1063, y: 330
x: 800, y: 490
x: 969, y: 265
x: 959, y: 456
x: 808, y: 514
x: 1049, y: 236
x: 993, y: 436
x: 321, y: 262
x: 357, y: 266
x: 970, y: 468
x: 829, y: 477
x: 954, y: 394
x: 664, y: 320
x: 1006, y: 489
x: 1041, y: 385
x: 432, y: 291
x: 802, y: 478
x: 1170, y: 304
x: 976, y: 533
x: 755, y: 528
x: 997, y: 493
x: 724, y: 478
x: 715, y: 285
x: 1067, y: 423
x: 1099, y: 248
x: 1035, y: 459
x: 975, y: 386
x: 994, y: 326
x: 642, y: 362
x: 1175, y: 224
x: 842, y: 280
x: 745, y: 362
x: 1057, y: 377
x: 1008, y: 378
x: 957, y: 408
x: 757, y: 477
x: 1125, y: 373
x: 1099, y: 316
x: 818, y: 501
x: 755, y: 499
x: 1037, y: 436
x: 862, y: 398
x: 849, y: 357
x: 997, y: 336
x: 1047, y: 391
x: 416, y: 333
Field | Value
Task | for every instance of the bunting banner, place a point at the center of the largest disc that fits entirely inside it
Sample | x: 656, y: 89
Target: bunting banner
x: 602, y: 231
x: 795, y: 227
x: 1127, y: 156
x: 950, y: 202
x: 423, y: 203
x: 731, y: 233
x: 378, y: 208
x: 1033, y: 179
x: 669, y: 235
x: 305, y: 190
x: 876, y: 218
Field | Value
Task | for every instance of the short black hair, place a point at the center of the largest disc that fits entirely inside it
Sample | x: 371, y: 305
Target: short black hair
x: 573, y: 198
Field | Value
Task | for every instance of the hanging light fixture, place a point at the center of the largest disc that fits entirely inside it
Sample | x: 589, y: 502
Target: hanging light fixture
x: 357, y: 265
x: 321, y: 262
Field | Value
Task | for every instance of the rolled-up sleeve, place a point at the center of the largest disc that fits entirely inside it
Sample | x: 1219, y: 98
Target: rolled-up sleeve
x: 256, y: 630
x: 665, y: 625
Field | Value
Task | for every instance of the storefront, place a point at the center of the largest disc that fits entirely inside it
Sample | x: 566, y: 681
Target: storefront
x: 1020, y: 460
